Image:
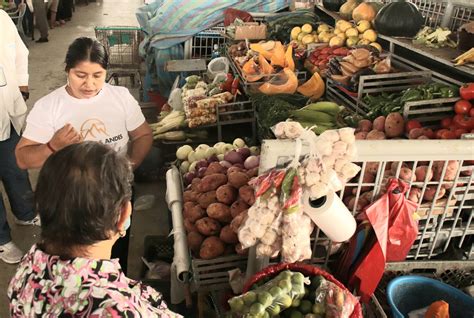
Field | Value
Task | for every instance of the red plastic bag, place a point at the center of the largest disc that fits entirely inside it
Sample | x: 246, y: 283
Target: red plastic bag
x: 231, y: 14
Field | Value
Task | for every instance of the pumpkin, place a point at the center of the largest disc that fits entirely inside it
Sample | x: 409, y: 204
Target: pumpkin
x: 251, y: 71
x: 346, y: 9
x: 438, y: 309
x: 289, y: 63
x: 313, y: 88
x: 333, y: 5
x: 257, y: 47
x: 399, y: 18
x: 365, y: 11
x: 288, y: 87
x: 278, y: 57
x: 265, y: 67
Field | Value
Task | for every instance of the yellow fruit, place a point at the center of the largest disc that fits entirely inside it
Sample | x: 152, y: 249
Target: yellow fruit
x: 363, y: 25
x: 307, y: 28
x: 301, y: 36
x: 307, y: 39
x: 363, y: 42
x: 370, y: 35
x: 344, y: 25
x: 323, y: 28
x: 337, y: 31
x: 342, y: 36
x: 352, y: 32
x: 377, y: 46
x: 294, y: 32
x: 325, y: 37
x: 336, y: 41
x: 352, y: 41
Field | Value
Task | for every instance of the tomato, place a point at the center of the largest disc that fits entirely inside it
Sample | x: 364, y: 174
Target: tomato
x: 462, y: 107
x: 458, y: 132
x: 446, y: 122
x: 411, y: 124
x: 428, y: 132
x: 440, y: 132
x: 471, y: 112
x: 463, y: 122
x: 448, y: 135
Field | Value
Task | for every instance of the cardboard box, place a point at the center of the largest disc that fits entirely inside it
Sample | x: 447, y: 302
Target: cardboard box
x: 251, y: 31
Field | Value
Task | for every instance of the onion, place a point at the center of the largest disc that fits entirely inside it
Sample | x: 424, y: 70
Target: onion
x: 239, y: 165
x: 244, y: 153
x: 188, y: 177
x: 212, y: 158
x: 201, y: 172
x: 225, y: 164
x: 201, y: 163
x: 251, y: 162
x: 233, y: 157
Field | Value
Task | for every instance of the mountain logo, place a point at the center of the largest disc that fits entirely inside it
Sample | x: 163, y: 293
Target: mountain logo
x: 93, y: 129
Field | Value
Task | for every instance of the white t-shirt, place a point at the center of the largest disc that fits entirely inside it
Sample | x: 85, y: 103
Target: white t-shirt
x: 106, y: 117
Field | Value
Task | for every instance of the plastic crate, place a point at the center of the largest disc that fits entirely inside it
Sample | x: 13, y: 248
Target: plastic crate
x: 201, y: 45
x: 461, y: 14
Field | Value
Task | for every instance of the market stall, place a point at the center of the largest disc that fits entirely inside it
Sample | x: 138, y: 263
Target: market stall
x: 347, y: 129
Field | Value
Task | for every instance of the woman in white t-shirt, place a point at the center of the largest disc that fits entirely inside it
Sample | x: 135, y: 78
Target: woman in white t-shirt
x: 86, y: 108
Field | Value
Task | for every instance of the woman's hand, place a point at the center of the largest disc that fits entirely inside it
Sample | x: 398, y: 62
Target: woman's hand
x: 64, y: 137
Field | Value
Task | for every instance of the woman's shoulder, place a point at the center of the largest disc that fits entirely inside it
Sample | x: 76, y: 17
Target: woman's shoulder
x: 52, y: 98
x: 119, y: 91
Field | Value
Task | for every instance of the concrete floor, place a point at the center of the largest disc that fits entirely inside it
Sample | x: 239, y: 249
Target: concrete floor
x: 46, y: 68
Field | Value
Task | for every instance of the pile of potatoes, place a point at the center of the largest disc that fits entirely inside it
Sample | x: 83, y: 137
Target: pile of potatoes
x: 390, y: 127
x: 214, y: 208
x: 404, y: 171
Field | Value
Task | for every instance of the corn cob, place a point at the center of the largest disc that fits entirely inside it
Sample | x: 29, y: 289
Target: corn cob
x: 171, y: 136
x: 170, y: 123
x: 325, y: 107
x: 312, y: 116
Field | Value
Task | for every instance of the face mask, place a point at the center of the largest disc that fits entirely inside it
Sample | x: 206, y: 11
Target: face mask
x: 127, y: 224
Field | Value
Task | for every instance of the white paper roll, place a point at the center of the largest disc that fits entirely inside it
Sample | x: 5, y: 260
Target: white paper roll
x: 331, y: 215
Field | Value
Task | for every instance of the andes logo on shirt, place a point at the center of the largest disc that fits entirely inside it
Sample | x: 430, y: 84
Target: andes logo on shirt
x: 95, y: 129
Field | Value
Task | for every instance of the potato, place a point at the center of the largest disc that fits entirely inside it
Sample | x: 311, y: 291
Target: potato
x: 205, y: 199
x: 415, y: 195
x: 416, y: 133
x: 379, y: 123
x: 226, y: 194
x: 240, y: 250
x: 194, y: 241
x: 189, y: 226
x: 368, y: 178
x: 187, y: 207
x: 207, y: 226
x: 220, y: 212
x: 394, y: 125
x: 375, y: 135
x: 406, y: 174
x: 238, y: 207
x: 228, y: 236
x: 195, y: 213
x: 451, y: 170
x: 238, y: 221
x: 234, y: 169
x: 364, y: 125
x: 372, y: 168
x: 190, y: 196
x: 238, y: 179
x: 247, y: 194
x: 362, y: 135
x: 361, y: 204
x: 215, y: 167
x: 430, y: 192
x: 394, y: 167
x: 212, y: 182
x: 212, y: 247
x: 423, y: 137
x: 195, y: 183
x: 252, y: 172
x: 422, y: 173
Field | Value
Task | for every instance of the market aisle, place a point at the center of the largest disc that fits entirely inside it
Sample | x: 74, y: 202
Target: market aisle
x: 46, y: 74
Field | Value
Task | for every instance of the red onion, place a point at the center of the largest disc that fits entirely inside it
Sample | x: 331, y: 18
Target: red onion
x: 188, y: 177
x: 239, y: 165
x: 201, y: 172
x: 233, y: 157
x: 244, y: 153
x: 252, y: 162
x: 201, y: 163
x: 212, y: 158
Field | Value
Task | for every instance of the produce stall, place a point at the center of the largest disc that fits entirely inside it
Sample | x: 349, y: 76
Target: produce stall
x: 333, y: 98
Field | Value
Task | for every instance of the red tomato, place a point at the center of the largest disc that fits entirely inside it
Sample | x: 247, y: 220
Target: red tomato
x: 439, y: 133
x: 448, y: 135
x: 462, y: 107
x: 411, y: 124
x: 463, y: 122
x: 471, y: 112
x: 428, y: 132
x: 446, y: 122
x: 458, y: 132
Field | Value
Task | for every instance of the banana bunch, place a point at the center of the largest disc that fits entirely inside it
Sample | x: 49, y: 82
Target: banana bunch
x: 467, y: 57
x: 320, y: 116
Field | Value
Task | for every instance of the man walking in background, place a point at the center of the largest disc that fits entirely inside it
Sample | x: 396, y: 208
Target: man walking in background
x: 13, y: 93
x: 39, y: 8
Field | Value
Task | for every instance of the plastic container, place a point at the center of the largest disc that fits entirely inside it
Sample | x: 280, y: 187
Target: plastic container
x: 408, y: 293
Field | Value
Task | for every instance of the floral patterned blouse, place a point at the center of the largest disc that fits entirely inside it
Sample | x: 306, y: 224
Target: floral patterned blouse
x: 46, y: 286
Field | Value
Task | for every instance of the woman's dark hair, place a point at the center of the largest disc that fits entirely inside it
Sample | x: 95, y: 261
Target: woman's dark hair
x: 80, y: 194
x: 86, y: 49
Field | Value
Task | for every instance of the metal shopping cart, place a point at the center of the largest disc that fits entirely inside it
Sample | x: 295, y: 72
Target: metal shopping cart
x: 121, y: 43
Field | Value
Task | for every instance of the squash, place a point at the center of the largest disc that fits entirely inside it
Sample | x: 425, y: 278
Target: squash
x: 265, y: 67
x: 251, y: 71
x: 438, y: 309
x: 313, y: 88
x: 289, y: 62
x: 289, y: 87
x: 346, y: 9
x: 278, y: 57
x: 364, y: 11
x: 399, y: 18
x: 257, y: 47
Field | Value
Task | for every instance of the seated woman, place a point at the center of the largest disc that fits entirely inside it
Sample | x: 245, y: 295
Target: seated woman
x: 83, y: 199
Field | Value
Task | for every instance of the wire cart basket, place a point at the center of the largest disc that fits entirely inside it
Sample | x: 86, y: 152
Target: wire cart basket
x: 121, y: 44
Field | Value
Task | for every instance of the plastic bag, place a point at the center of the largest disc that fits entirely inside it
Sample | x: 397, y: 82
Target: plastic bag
x: 332, y: 301
x: 273, y: 297
x: 231, y: 14
x: 144, y: 202
x: 217, y: 66
x: 157, y: 269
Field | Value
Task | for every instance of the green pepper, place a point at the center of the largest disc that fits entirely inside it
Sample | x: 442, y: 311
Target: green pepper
x: 287, y: 184
x: 447, y: 92
x: 411, y: 95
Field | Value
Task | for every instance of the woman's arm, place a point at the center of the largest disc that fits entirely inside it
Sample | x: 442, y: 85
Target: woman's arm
x: 141, y: 141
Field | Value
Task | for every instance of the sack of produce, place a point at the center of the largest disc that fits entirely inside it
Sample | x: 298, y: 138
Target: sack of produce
x: 330, y: 300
